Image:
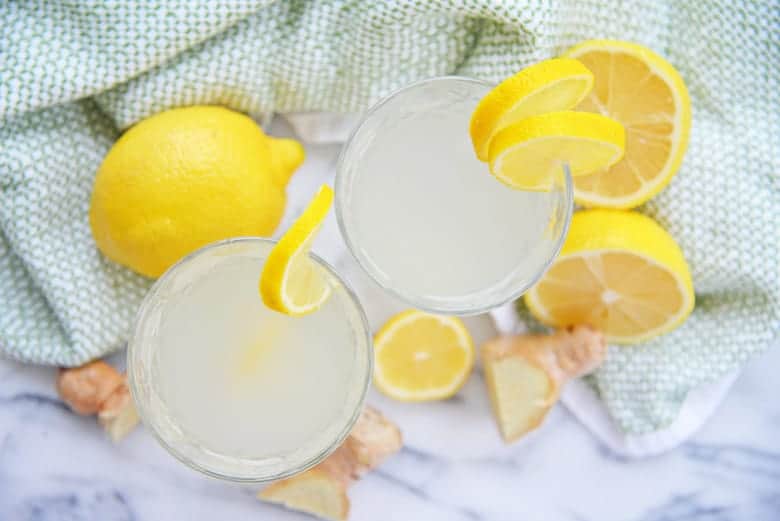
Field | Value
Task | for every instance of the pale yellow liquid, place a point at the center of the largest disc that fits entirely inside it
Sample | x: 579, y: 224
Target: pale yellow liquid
x: 427, y: 218
x: 243, y: 381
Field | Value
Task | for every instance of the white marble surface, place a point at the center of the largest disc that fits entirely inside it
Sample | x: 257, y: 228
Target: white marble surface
x: 58, y: 466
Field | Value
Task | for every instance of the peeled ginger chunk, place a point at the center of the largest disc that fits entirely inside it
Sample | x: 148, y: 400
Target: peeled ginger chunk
x: 520, y: 394
x: 314, y: 492
x: 525, y: 373
x: 322, y: 490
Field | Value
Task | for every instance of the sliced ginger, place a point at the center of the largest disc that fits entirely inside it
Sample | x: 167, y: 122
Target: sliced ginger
x: 322, y: 490
x: 315, y: 492
x: 98, y: 388
x: 525, y: 373
x: 521, y: 394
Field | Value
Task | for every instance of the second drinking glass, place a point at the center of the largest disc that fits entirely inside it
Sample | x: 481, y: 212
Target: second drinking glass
x: 426, y: 219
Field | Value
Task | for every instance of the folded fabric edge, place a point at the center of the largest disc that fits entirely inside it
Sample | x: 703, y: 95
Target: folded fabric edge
x: 322, y: 128
x: 698, y: 406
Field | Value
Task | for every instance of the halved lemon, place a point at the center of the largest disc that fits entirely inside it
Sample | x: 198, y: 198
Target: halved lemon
x: 646, y: 94
x: 619, y: 272
x: 548, y: 86
x: 420, y: 356
x: 292, y: 283
x: 528, y: 154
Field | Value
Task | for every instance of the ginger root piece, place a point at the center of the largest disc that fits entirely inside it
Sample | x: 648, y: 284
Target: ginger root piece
x: 98, y: 388
x: 525, y: 373
x: 322, y: 490
x: 118, y: 415
x: 315, y: 492
x: 85, y: 388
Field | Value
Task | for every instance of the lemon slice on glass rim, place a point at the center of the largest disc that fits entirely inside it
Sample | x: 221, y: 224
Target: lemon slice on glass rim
x: 291, y: 283
x: 548, y: 86
x: 527, y: 155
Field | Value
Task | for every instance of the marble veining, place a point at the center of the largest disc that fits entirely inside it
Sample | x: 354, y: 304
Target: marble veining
x: 56, y: 466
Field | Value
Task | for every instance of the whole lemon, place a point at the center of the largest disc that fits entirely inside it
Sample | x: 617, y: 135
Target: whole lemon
x: 184, y: 178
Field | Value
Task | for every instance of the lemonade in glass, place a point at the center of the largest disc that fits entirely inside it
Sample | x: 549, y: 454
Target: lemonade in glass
x: 239, y: 391
x: 425, y: 218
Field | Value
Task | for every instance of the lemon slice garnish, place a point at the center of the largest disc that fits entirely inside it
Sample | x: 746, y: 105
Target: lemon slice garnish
x: 548, y: 86
x: 528, y: 154
x: 291, y: 282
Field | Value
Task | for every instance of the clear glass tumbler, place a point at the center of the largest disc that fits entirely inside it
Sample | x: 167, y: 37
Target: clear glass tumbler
x: 234, y: 389
x: 426, y: 219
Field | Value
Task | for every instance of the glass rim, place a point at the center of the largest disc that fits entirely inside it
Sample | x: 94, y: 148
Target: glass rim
x: 339, y: 188
x: 145, y: 415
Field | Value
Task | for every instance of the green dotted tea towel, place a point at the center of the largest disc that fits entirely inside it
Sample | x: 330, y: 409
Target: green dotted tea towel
x: 74, y: 74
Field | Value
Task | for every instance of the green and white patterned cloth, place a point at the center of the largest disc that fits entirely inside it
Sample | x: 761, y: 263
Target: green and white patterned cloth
x: 74, y: 74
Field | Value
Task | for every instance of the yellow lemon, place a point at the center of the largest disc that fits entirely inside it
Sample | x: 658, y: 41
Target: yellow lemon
x: 548, y: 86
x: 185, y: 178
x: 528, y: 154
x: 420, y: 356
x: 291, y: 283
x: 619, y: 272
x: 641, y: 90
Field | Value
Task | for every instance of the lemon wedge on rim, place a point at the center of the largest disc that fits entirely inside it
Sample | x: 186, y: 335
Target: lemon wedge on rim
x: 548, y: 86
x: 291, y: 282
x: 528, y: 154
